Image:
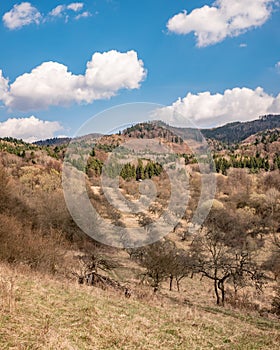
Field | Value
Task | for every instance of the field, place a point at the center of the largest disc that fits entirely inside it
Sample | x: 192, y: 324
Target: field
x: 41, y: 312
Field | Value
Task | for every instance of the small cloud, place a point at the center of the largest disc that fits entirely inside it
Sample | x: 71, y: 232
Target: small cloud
x: 29, y: 129
x: 57, y: 11
x: 243, y: 45
x: 65, y: 11
x: 21, y: 15
x: 85, y: 14
x: 76, y: 6
x: 25, y: 13
x: 277, y: 66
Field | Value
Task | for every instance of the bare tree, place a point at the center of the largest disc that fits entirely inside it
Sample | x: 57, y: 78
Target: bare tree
x: 222, y: 252
x: 157, y: 259
x: 180, y: 267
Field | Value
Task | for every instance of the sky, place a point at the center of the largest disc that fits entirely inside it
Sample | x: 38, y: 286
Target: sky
x: 62, y: 62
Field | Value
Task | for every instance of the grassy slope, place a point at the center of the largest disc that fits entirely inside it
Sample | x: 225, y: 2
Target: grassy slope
x: 38, y: 312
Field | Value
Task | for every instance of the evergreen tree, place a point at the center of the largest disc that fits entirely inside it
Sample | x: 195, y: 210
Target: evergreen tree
x: 140, y: 171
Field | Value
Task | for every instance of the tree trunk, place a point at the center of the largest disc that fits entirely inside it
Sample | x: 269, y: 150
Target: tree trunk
x: 170, y: 282
x: 178, y: 285
x: 217, y: 292
x: 222, y: 289
x: 156, y: 284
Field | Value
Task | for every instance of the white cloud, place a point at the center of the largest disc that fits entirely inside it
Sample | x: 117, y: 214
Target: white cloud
x: 25, y: 13
x: 212, y: 24
x: 277, y: 66
x: 62, y: 10
x: 243, y: 45
x: 29, y: 129
x: 4, y: 86
x: 75, y: 6
x: 57, y: 11
x: 52, y: 84
x: 84, y: 14
x: 21, y: 15
x: 205, y: 109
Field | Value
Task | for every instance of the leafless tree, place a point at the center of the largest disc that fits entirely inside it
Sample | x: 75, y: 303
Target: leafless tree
x: 157, y: 259
x: 222, y: 252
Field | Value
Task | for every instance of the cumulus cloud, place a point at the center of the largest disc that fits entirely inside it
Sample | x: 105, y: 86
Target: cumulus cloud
x: 29, y: 129
x: 206, y: 110
x: 225, y: 18
x: 4, y: 86
x: 21, y: 15
x: 52, y: 84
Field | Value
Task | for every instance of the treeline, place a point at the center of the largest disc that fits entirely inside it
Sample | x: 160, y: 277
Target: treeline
x: 254, y: 163
x: 53, y: 141
x: 27, y: 151
x: 15, y: 146
x: 127, y: 171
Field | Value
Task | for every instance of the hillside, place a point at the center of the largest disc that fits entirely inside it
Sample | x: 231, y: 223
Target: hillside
x: 53, y: 142
x: 217, y: 286
x: 237, y: 131
x: 39, y: 312
x: 228, y: 133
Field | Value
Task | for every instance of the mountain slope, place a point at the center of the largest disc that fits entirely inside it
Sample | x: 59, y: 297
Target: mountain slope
x: 237, y: 131
x: 228, y: 133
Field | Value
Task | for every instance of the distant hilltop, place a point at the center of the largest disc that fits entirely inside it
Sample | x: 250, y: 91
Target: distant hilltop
x: 234, y: 132
x: 239, y: 131
x: 56, y: 141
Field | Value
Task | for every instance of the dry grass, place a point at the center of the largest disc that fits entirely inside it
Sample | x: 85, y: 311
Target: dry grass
x: 38, y: 312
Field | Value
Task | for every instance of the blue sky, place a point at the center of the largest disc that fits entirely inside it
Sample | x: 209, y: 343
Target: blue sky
x: 213, y: 63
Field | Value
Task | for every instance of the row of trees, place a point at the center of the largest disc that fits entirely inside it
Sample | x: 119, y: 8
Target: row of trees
x: 254, y: 163
x: 127, y: 171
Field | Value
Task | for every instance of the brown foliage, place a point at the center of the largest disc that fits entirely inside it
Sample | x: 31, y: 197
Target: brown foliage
x: 21, y: 244
x: 276, y: 301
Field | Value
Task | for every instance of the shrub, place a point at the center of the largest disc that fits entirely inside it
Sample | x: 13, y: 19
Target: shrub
x: 276, y: 301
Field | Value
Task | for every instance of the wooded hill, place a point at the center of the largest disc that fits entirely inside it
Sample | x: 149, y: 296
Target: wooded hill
x: 237, y: 131
x: 228, y: 133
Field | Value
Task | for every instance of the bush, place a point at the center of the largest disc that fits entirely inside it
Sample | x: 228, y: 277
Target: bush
x: 276, y: 301
x: 4, y: 190
x: 21, y: 245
